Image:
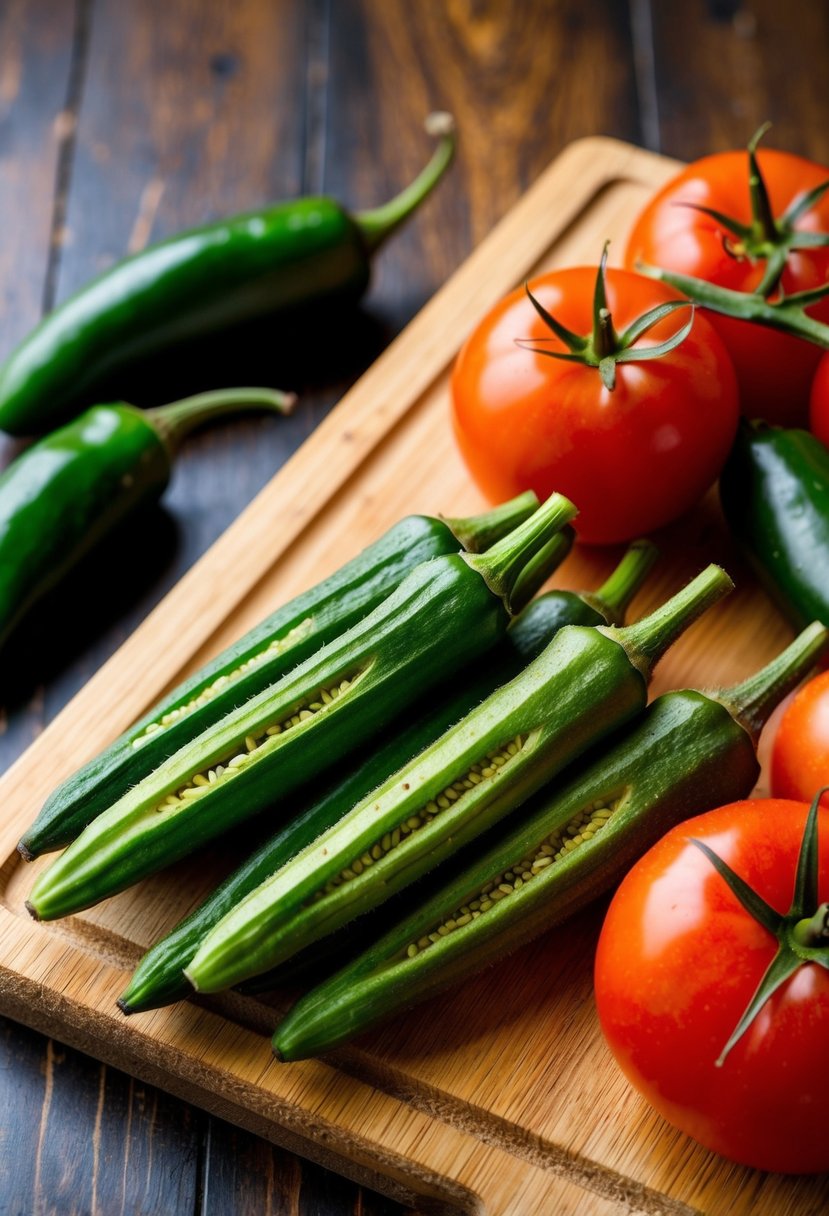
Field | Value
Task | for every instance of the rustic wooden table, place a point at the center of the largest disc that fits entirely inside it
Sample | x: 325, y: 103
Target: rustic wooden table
x: 121, y: 123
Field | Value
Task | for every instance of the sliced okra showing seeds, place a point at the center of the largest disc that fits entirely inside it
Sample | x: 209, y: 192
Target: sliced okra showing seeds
x: 277, y: 647
x: 557, y: 845
x: 444, y: 801
x: 201, y: 782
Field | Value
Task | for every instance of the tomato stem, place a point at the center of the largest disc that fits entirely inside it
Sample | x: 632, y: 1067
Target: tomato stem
x: 787, y: 314
x: 604, y: 348
x: 764, y: 226
x: 813, y: 931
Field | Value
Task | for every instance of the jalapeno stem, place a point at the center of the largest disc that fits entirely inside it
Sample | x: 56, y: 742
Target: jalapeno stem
x: 174, y: 421
x: 379, y: 223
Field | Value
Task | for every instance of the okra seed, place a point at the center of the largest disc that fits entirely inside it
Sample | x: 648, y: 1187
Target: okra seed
x: 580, y: 829
x: 412, y: 950
x: 277, y: 646
x: 413, y: 823
x: 252, y: 744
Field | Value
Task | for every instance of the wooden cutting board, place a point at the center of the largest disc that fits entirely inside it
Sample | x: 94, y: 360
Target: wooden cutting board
x: 500, y: 1098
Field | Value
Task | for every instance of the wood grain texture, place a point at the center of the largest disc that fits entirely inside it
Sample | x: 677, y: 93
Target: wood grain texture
x: 753, y: 58
x: 489, y: 1095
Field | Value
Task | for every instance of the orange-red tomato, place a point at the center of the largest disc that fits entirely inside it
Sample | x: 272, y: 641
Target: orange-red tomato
x: 774, y: 370
x: 819, y: 402
x: 631, y: 459
x: 677, y: 962
x: 800, y: 751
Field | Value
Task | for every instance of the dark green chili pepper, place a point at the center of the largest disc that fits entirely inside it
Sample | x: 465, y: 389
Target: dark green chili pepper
x: 71, y: 488
x: 197, y: 283
x: 774, y: 491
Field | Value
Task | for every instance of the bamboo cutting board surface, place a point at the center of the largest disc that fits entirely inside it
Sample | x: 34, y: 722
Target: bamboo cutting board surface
x: 498, y: 1099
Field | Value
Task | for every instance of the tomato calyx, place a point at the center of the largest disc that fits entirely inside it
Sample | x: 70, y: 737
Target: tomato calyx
x: 802, y: 933
x: 767, y: 238
x: 603, y: 348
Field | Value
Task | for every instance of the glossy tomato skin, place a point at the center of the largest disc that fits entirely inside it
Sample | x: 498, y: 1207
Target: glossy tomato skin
x: 774, y: 370
x: 800, y: 751
x: 677, y: 961
x: 632, y: 459
x: 819, y: 402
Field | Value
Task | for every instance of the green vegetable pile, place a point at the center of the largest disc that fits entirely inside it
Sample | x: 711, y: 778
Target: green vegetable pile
x: 492, y: 692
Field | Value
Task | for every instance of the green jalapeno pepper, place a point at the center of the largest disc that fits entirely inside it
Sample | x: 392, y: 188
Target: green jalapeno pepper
x: 445, y: 613
x: 586, y: 683
x: 159, y: 978
x: 689, y: 752
x: 284, y: 639
x: 71, y: 488
x: 774, y: 492
x: 197, y: 283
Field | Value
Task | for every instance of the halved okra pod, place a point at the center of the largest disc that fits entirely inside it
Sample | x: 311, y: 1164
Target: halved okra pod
x: 446, y: 612
x: 159, y: 977
x: 262, y: 656
x: 586, y: 683
x: 688, y: 753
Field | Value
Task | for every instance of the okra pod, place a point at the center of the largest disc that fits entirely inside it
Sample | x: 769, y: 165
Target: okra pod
x: 587, y: 682
x: 688, y: 753
x: 159, y: 977
x: 446, y: 612
x: 273, y: 647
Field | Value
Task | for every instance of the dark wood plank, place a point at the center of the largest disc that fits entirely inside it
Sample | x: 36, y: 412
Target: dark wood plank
x: 36, y: 39
x: 36, y: 56
x: 522, y: 80
x: 83, y: 1138
x: 724, y: 67
x: 249, y: 1177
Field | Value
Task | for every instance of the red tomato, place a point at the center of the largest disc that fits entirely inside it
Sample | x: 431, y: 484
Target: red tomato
x: 677, y: 962
x: 819, y: 402
x: 631, y: 459
x: 774, y: 370
x: 800, y: 752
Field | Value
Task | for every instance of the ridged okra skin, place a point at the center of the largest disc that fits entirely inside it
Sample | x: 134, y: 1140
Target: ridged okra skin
x: 159, y: 978
x: 294, y: 908
x: 686, y: 754
x: 444, y: 614
x: 586, y: 683
x: 279, y: 643
x: 388, y: 659
x: 689, y: 752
